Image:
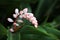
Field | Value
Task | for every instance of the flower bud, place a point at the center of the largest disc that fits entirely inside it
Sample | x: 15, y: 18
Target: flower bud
x: 16, y: 24
x: 14, y: 15
x: 10, y: 20
x: 33, y: 22
x: 31, y: 19
x: 11, y: 30
x: 35, y: 26
x: 30, y: 14
x: 17, y: 11
x: 20, y: 21
x: 25, y: 10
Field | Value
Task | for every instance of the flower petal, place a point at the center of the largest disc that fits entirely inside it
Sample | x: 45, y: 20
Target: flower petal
x: 25, y: 10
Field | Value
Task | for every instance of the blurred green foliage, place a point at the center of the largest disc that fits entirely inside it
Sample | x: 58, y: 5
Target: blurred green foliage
x: 43, y: 10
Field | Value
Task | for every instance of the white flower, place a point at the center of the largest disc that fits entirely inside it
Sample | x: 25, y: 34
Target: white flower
x: 11, y: 30
x: 34, y: 20
x: 30, y: 14
x: 21, y: 21
x: 23, y: 14
x: 10, y: 20
x: 14, y: 15
x: 16, y: 24
x: 17, y: 11
x: 25, y: 10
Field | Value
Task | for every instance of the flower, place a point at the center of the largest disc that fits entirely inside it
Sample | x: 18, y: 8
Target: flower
x: 31, y: 14
x: 22, y: 14
x: 11, y: 30
x: 16, y: 24
x: 21, y: 21
x: 25, y: 10
x: 17, y: 11
x: 10, y: 20
x: 14, y: 15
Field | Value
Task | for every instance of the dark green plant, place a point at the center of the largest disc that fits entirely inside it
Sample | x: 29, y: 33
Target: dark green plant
x: 45, y: 30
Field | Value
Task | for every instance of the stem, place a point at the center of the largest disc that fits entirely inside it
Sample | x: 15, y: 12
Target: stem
x: 15, y: 22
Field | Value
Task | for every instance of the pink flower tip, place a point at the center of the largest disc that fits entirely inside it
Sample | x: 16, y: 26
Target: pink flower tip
x: 25, y: 10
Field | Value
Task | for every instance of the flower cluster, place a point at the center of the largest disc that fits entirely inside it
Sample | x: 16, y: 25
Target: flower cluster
x: 23, y: 14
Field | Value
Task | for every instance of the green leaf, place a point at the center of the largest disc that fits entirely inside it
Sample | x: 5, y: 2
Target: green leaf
x: 3, y: 30
x: 57, y: 19
x: 52, y: 31
x: 35, y: 37
x: 30, y: 36
x: 13, y: 36
x: 38, y: 31
x: 31, y: 30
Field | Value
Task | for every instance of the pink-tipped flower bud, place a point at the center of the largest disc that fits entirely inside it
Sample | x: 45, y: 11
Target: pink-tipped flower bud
x: 30, y: 14
x: 33, y: 22
x: 25, y: 10
x: 31, y: 19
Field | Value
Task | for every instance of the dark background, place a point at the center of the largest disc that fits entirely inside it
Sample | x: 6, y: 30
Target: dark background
x: 7, y: 8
